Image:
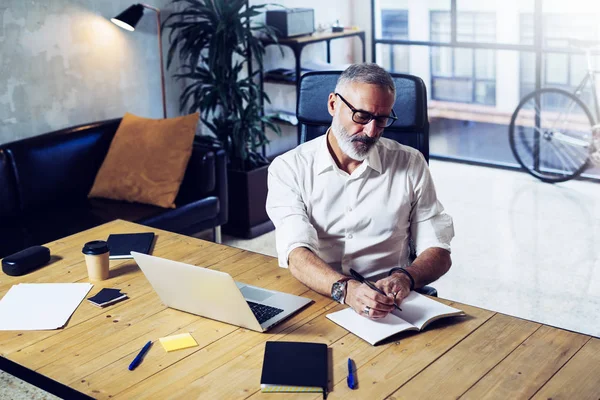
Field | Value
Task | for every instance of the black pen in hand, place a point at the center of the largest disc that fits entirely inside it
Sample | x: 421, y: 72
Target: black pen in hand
x: 370, y: 284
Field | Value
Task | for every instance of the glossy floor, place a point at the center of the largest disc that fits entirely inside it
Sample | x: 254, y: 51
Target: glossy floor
x: 522, y: 247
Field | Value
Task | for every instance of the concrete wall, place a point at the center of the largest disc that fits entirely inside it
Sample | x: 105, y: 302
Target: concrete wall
x: 62, y: 63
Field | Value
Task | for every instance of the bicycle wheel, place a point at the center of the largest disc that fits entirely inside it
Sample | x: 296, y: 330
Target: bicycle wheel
x: 550, y: 135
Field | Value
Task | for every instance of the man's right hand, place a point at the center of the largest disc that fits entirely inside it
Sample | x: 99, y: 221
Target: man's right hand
x: 360, y: 296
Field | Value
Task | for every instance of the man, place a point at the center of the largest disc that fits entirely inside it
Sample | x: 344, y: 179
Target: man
x: 351, y: 199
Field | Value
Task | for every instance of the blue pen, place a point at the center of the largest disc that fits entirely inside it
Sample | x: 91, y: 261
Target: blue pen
x: 138, y: 359
x: 350, y: 379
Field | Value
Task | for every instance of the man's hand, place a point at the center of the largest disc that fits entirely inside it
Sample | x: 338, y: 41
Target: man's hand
x: 360, y: 296
x: 396, y: 285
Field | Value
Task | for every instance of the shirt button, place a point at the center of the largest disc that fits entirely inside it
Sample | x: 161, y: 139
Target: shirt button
x: 349, y: 209
x: 350, y: 236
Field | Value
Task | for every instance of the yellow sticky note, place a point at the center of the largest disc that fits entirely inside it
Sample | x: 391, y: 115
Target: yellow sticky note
x: 177, y: 342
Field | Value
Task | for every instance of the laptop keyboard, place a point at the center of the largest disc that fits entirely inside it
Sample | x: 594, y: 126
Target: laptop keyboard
x: 262, y: 312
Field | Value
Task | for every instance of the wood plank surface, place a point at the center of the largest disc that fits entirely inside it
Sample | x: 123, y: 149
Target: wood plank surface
x: 380, y: 376
x: 527, y: 368
x: 483, y: 355
x: 124, y: 275
x: 578, y: 379
x: 218, y: 353
x: 462, y: 366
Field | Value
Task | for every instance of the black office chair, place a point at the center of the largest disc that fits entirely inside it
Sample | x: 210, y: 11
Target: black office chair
x: 411, y: 128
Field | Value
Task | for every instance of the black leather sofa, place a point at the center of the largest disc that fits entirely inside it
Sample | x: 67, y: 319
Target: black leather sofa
x: 44, y: 182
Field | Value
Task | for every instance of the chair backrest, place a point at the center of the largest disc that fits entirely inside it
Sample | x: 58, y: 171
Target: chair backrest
x: 411, y: 128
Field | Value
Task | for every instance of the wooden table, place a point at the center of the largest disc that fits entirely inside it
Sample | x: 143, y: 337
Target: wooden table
x: 484, y: 355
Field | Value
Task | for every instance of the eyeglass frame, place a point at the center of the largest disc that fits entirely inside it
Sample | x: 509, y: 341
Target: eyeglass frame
x: 372, y: 117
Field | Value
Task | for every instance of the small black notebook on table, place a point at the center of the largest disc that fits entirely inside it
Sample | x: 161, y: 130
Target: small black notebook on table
x: 294, y: 367
x: 106, y: 297
x: 122, y: 244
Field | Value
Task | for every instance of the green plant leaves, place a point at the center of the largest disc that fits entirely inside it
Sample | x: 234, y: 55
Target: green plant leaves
x: 213, y: 40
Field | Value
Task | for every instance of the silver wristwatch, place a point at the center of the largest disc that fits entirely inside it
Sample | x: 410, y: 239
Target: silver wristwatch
x: 338, y: 290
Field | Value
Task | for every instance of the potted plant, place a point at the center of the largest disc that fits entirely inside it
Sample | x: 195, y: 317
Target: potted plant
x: 215, y: 41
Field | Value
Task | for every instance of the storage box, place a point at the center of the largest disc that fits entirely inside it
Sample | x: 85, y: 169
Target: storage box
x: 292, y: 21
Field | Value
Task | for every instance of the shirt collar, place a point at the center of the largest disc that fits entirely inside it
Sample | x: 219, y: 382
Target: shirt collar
x: 325, y: 159
x: 373, y: 160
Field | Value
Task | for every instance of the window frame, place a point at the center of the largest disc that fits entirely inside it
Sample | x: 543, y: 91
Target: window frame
x: 472, y: 79
x: 391, y: 47
x: 537, y: 47
x: 571, y: 84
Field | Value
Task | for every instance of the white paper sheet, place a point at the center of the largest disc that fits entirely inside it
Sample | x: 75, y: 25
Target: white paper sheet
x: 40, y: 306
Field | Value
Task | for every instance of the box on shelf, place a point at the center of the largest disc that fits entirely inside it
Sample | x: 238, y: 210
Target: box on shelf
x: 291, y: 21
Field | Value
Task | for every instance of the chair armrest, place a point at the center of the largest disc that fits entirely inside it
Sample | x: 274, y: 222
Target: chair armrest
x: 206, y: 175
x: 199, y: 179
x: 428, y: 290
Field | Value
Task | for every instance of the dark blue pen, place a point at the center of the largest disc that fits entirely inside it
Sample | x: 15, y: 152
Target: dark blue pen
x: 138, y: 359
x: 350, y: 379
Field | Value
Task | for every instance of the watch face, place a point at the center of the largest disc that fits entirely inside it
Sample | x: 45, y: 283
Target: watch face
x: 337, y: 291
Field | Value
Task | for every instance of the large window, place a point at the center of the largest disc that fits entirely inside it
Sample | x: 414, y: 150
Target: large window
x: 479, y: 58
x: 394, y: 25
x: 463, y: 74
x: 559, y: 70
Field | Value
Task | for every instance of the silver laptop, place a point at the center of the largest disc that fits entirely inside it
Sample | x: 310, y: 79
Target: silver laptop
x: 214, y: 294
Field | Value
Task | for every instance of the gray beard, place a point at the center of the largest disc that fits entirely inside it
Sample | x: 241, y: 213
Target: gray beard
x: 349, y: 145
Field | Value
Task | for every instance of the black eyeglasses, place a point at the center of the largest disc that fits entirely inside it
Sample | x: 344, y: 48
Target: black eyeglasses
x: 364, y: 117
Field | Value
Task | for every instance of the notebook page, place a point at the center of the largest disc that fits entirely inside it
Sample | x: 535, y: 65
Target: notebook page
x: 370, y: 330
x: 418, y: 309
x: 290, y: 389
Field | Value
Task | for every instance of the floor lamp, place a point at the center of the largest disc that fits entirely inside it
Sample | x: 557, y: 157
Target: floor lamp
x: 128, y: 19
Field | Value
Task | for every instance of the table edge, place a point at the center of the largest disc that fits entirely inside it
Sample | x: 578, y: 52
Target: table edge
x: 40, y: 381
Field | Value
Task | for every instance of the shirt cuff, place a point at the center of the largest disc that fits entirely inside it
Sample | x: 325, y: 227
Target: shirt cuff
x: 434, y: 232
x: 283, y: 261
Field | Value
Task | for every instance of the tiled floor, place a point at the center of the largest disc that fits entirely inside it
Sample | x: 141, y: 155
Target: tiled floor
x: 522, y: 247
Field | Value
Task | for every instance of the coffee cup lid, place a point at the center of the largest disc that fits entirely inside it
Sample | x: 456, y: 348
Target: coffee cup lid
x: 95, y: 247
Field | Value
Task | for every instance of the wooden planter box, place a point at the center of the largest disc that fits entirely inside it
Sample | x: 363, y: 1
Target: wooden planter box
x: 247, y: 198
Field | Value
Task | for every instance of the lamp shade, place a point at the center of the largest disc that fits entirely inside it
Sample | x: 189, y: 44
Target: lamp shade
x: 129, y: 18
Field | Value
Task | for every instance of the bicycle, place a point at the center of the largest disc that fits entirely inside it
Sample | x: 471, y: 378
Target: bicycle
x: 552, y: 133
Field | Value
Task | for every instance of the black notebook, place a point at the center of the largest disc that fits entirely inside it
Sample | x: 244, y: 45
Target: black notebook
x: 294, y: 367
x: 122, y: 244
x: 106, y: 297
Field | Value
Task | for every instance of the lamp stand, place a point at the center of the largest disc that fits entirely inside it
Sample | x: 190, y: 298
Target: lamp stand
x: 160, y: 54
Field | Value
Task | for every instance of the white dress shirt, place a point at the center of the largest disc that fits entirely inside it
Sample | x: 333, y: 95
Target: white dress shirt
x: 363, y: 220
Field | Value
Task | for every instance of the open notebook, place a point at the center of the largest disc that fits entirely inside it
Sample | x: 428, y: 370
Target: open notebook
x: 417, y: 312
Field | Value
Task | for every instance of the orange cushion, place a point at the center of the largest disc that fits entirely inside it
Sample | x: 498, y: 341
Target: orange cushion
x: 146, y: 160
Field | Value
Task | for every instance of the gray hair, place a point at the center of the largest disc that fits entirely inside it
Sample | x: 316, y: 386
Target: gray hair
x: 369, y: 73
